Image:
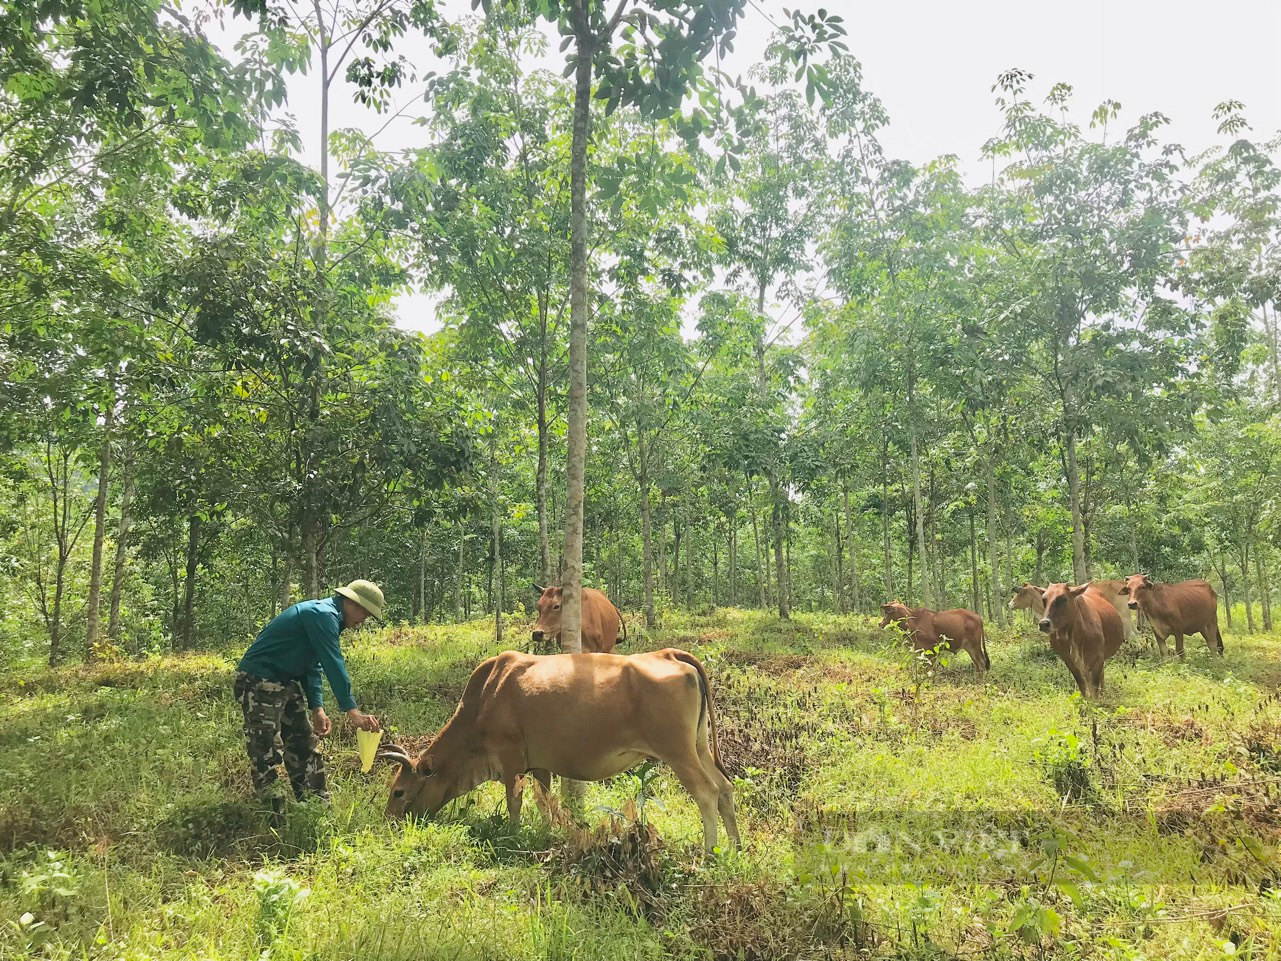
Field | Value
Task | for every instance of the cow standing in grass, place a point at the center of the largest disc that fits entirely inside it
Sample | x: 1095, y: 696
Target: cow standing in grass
x: 1084, y: 629
x: 1188, y: 607
x: 957, y: 629
x: 601, y: 620
x: 581, y: 716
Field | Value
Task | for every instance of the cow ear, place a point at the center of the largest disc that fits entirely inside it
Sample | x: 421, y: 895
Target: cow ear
x: 1078, y: 591
x: 1126, y: 589
x: 1041, y: 591
x: 424, y: 766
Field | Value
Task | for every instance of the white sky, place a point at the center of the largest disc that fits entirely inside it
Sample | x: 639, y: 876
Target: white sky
x: 933, y: 63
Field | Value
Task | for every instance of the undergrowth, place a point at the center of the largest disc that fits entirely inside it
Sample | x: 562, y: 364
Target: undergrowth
x: 891, y: 806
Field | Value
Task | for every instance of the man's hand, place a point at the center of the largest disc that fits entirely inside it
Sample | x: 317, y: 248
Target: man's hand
x: 320, y: 722
x: 366, y: 722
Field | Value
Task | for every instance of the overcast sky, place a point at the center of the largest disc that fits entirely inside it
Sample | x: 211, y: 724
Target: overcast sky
x: 933, y: 63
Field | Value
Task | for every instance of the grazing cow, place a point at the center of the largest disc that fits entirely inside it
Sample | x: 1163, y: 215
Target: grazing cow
x: 582, y: 716
x: 1028, y: 598
x: 1188, y: 607
x: 962, y: 630
x: 1084, y: 629
x: 601, y: 620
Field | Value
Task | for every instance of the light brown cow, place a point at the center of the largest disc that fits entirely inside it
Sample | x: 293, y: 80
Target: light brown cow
x: 1188, y: 607
x: 1028, y: 598
x: 962, y: 629
x: 1084, y: 629
x: 601, y: 620
x: 582, y: 716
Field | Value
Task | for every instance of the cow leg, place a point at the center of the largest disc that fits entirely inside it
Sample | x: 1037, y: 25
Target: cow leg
x: 515, y: 794
x: 1178, y: 644
x: 1096, y: 679
x: 724, y: 789
x: 1081, y: 684
x: 1213, y: 639
x: 1160, y: 642
x: 705, y: 792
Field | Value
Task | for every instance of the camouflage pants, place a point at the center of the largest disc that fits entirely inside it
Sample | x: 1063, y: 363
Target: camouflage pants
x: 277, y: 726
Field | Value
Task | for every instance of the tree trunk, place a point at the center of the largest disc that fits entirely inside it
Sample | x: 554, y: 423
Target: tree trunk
x: 927, y: 594
x: 1080, y: 569
x: 780, y: 565
x: 974, y: 565
x: 576, y: 455
x: 995, y: 593
x: 885, y: 530
x: 422, y: 578
x: 762, y: 586
x: 838, y: 568
x: 1221, y: 568
x: 855, y: 596
x: 1265, y: 591
x: 733, y: 561
x: 1243, y: 561
x: 189, y: 589
x: 122, y: 544
x: 544, y: 542
x: 94, y: 605
x: 1040, y: 559
x: 496, y: 517
x: 674, y: 578
x: 458, y: 581
x: 647, y: 542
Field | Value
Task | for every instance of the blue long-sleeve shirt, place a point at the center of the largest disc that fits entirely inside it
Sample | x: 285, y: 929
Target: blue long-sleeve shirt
x: 298, y: 644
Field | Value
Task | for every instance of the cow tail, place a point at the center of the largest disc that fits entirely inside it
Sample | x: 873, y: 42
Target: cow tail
x: 622, y: 621
x: 708, y: 703
x: 983, y: 643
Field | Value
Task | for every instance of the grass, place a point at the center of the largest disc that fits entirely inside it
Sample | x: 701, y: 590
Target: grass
x: 890, y: 808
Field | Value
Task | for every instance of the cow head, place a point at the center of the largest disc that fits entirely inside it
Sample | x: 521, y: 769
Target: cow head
x: 1057, y: 598
x: 894, y: 612
x: 547, y: 628
x: 1135, y: 585
x: 1027, y: 598
x: 423, y: 786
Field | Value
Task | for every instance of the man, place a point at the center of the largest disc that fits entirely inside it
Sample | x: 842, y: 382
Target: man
x: 281, y: 667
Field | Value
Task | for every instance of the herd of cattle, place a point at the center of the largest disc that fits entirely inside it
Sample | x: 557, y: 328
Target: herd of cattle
x: 1086, y: 624
x: 593, y: 715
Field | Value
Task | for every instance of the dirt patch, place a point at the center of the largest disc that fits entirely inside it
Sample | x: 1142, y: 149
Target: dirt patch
x: 767, y: 663
x: 1171, y: 730
x: 1221, y: 808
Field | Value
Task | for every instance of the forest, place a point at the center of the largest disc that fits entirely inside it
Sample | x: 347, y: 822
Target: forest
x: 817, y: 377
x: 622, y: 316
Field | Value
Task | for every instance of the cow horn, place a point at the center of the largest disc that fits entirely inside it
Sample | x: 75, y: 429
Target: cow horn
x: 538, y: 590
x: 397, y: 754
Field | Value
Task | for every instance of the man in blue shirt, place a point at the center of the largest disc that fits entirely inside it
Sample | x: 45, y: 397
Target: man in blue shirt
x: 281, y: 669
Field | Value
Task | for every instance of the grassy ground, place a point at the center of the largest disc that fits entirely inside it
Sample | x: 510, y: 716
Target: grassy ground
x: 889, y: 810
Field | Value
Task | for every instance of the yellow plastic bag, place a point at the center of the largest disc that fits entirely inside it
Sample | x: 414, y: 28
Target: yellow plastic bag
x: 367, y: 743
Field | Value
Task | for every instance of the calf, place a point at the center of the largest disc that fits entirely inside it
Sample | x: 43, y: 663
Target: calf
x: 958, y: 629
x: 601, y: 620
x: 1084, y: 629
x: 1188, y: 607
x: 582, y: 716
x: 1028, y: 598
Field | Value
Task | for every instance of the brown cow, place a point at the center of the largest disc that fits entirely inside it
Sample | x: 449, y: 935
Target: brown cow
x: 962, y: 630
x: 1084, y: 629
x: 582, y: 716
x: 601, y: 620
x: 1188, y: 607
x: 1028, y: 598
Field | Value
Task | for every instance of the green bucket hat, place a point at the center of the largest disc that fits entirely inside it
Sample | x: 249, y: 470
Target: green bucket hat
x: 367, y: 594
